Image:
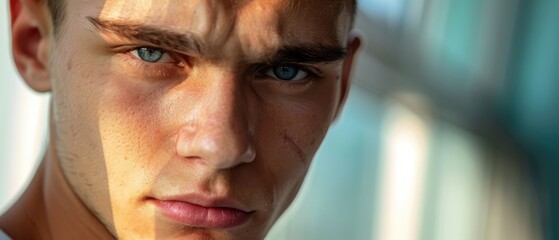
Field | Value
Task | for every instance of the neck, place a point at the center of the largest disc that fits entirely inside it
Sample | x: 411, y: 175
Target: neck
x: 49, y: 209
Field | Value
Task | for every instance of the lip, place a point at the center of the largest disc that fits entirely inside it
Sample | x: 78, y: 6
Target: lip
x: 195, y: 211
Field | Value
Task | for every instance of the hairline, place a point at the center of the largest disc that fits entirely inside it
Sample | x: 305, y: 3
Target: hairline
x: 57, y: 9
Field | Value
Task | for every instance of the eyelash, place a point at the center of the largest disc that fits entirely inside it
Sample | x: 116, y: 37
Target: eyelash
x: 156, y: 70
x: 313, y: 74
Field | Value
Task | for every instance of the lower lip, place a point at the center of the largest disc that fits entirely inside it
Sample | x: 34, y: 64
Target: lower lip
x: 203, y: 217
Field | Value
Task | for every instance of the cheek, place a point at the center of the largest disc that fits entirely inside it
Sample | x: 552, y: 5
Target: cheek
x: 107, y: 123
x: 289, y: 132
x: 296, y: 134
x: 132, y: 133
x: 76, y: 97
x: 298, y: 124
x: 74, y: 109
x: 136, y: 149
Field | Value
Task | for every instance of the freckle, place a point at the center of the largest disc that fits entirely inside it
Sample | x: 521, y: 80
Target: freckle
x: 69, y: 65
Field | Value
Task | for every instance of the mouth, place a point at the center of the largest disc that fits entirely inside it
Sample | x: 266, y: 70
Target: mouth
x: 195, y: 211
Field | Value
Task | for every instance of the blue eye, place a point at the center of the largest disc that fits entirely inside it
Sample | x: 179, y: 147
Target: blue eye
x: 147, y: 54
x: 286, y: 72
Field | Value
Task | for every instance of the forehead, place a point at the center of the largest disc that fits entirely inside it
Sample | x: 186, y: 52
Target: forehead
x: 244, y: 24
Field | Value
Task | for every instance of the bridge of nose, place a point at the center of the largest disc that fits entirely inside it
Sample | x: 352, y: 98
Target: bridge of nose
x: 217, y: 129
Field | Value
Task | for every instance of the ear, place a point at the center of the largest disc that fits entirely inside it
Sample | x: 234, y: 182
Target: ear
x: 31, y: 33
x: 354, y: 43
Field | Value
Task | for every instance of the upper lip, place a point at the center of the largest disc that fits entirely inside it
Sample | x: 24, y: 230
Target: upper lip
x: 206, y: 201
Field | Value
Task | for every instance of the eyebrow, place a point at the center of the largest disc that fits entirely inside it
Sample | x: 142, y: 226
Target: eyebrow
x: 158, y: 36
x: 188, y: 42
x: 309, y: 53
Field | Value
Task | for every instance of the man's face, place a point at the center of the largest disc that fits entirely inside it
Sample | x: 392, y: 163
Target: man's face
x: 194, y: 118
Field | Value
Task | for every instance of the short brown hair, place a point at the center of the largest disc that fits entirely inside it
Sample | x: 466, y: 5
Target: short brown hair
x: 57, y: 9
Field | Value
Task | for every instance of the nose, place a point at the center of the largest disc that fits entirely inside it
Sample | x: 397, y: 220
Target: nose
x: 216, y: 132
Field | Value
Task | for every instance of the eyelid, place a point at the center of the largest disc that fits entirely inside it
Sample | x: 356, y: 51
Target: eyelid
x: 312, y: 72
x: 176, y: 66
x: 166, y: 58
x: 300, y: 75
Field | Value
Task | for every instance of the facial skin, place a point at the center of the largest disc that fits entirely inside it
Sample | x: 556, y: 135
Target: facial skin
x: 158, y: 102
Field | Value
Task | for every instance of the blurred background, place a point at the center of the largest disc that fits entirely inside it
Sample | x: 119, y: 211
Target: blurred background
x: 450, y: 130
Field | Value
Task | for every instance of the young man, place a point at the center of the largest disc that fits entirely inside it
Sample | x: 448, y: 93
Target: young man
x: 177, y: 119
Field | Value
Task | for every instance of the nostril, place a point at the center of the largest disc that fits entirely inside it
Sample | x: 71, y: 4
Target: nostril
x: 249, y: 155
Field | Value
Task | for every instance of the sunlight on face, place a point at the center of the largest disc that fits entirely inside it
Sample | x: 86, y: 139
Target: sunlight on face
x: 195, y: 119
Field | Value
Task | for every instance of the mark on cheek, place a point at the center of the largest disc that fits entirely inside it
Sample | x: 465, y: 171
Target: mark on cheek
x: 289, y: 141
x: 69, y: 66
